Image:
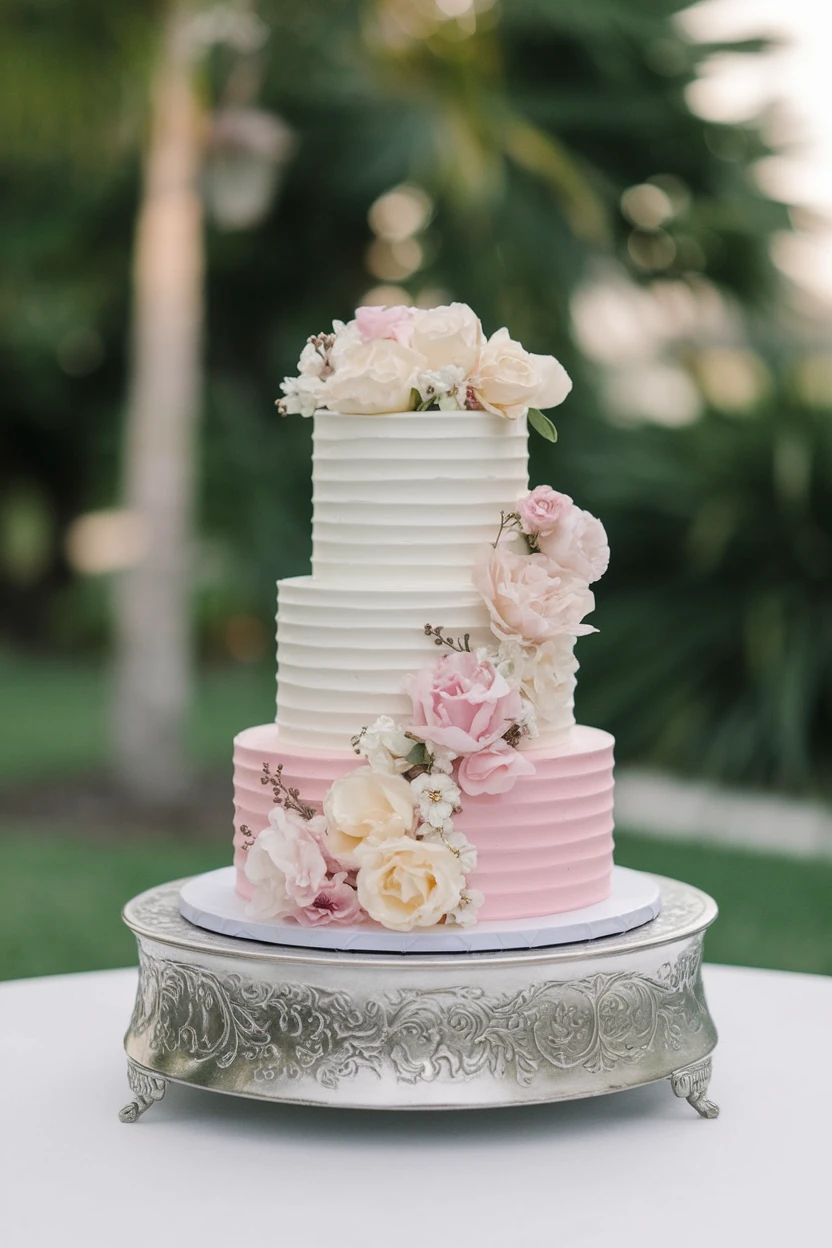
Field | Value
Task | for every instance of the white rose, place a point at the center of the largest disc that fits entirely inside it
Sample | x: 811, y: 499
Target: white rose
x: 362, y: 804
x: 448, y: 337
x: 385, y: 746
x: 578, y: 544
x: 510, y: 380
x: 549, y: 682
x: 403, y: 883
x: 372, y: 377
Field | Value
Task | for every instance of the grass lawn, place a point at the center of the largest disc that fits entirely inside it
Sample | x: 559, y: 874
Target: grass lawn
x: 60, y: 899
x: 54, y: 714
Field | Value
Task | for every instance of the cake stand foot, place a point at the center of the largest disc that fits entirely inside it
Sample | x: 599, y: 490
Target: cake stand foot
x: 691, y: 1082
x: 146, y: 1087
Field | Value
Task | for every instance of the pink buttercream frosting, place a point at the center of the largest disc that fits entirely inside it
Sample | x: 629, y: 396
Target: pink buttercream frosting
x: 543, y: 848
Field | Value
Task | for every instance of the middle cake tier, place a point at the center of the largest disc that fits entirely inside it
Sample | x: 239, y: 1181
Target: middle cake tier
x: 343, y: 653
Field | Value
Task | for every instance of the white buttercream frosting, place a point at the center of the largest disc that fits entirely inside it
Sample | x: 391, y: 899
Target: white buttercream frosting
x: 343, y: 652
x: 402, y: 503
x: 407, y: 499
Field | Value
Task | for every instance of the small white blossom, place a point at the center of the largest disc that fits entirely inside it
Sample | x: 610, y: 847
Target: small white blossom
x: 385, y: 746
x: 463, y: 850
x: 437, y: 797
x: 510, y: 660
x: 527, y: 719
x: 303, y: 395
x: 441, y: 386
x: 465, y: 912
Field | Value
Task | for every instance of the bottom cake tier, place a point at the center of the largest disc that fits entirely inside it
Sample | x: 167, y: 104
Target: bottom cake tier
x: 544, y: 848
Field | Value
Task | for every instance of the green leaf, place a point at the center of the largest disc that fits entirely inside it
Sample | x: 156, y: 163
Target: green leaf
x: 543, y: 425
x: 418, y: 756
x: 415, y: 399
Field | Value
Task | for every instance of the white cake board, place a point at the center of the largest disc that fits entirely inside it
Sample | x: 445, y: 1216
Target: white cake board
x: 210, y: 901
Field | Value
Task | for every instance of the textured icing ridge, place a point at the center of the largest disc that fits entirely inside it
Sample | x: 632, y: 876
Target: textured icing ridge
x: 343, y: 652
x: 545, y: 847
x: 406, y: 499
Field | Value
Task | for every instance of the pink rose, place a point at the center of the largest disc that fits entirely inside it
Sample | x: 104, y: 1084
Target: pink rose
x: 542, y: 509
x: 461, y: 704
x: 494, y: 770
x: 530, y: 598
x: 373, y: 322
x: 578, y: 544
x: 335, y: 903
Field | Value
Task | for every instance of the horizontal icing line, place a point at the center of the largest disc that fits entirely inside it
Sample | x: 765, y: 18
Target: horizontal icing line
x: 588, y: 864
x: 361, y: 460
x: 600, y: 842
x: 482, y: 824
x: 517, y: 883
x: 297, y: 590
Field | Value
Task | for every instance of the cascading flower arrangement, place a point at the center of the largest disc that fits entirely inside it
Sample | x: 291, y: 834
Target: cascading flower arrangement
x: 412, y: 359
x: 385, y: 846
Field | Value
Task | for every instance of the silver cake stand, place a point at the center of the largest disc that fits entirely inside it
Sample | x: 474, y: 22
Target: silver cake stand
x: 417, y: 1031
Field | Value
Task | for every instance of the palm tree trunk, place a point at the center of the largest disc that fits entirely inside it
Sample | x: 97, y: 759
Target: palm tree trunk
x: 153, y: 642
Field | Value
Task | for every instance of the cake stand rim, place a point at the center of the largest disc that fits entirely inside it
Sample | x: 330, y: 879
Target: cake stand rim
x: 200, y: 940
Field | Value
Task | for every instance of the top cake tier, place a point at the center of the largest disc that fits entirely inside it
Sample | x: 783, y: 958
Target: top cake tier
x: 407, y: 499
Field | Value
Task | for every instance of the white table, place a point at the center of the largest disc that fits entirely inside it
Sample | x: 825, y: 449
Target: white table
x: 636, y: 1168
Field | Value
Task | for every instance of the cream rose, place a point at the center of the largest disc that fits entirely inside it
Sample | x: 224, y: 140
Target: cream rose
x: 403, y: 883
x: 509, y: 380
x: 372, y: 377
x: 448, y: 337
x: 362, y: 804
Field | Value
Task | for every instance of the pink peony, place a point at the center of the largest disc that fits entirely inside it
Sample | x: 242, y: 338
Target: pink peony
x: 541, y: 511
x: 373, y: 322
x: 335, y: 903
x: 461, y: 703
x: 578, y: 544
x: 494, y: 770
x: 530, y: 598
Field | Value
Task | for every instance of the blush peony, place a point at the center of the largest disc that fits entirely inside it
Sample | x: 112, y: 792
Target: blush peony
x: 363, y: 804
x: 530, y: 598
x: 286, y: 864
x: 403, y: 883
x: 461, y: 702
x: 495, y: 770
x: 578, y: 544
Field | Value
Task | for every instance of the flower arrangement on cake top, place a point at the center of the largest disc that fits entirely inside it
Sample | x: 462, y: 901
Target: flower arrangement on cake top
x: 413, y: 359
x: 385, y: 845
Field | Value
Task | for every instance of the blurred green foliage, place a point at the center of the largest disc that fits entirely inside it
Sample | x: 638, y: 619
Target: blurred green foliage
x: 524, y: 128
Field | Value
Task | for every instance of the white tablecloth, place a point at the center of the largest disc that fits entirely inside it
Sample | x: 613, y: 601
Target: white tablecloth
x: 635, y: 1168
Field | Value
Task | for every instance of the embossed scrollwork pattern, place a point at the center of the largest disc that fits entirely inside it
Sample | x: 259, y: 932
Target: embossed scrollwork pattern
x: 296, y: 1030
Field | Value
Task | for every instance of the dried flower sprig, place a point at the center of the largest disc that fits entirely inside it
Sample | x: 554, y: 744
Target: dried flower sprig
x: 510, y: 521
x: 463, y: 646
x: 288, y: 798
x: 249, y: 835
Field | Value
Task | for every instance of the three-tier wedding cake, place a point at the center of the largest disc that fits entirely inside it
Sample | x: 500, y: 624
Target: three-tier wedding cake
x: 425, y: 767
